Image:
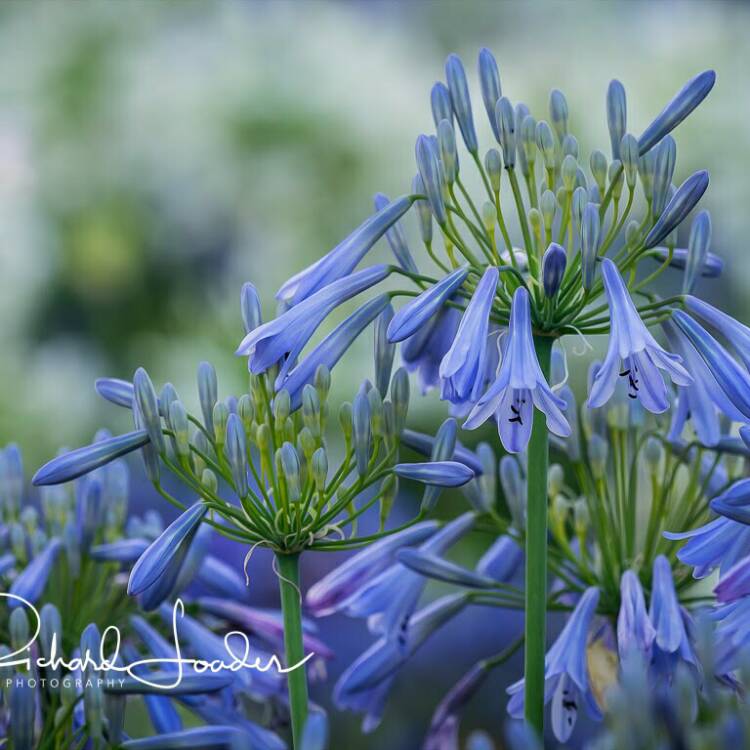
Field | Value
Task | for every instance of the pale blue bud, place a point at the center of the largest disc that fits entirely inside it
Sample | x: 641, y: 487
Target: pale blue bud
x: 570, y: 146
x: 553, y: 268
x: 493, y: 163
x: 423, y: 210
x: 506, y: 124
x: 598, y: 164
x: 432, y: 177
x: 459, y: 91
x: 207, y: 393
x: 361, y: 431
x: 148, y: 404
x: 489, y: 82
x: 545, y: 142
x: 448, y: 153
x: 698, y: 244
x: 664, y: 164
x: 400, y: 397
x: 236, y: 453
x: 250, y: 307
x: 590, y: 228
x: 440, y: 101
x: 558, y: 113
x: 616, y: 116
x: 629, y: 157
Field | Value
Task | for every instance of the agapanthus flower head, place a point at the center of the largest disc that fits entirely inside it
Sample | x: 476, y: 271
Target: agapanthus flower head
x: 633, y: 353
x: 519, y: 387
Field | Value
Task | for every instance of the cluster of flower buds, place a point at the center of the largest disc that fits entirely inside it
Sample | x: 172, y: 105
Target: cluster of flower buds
x: 72, y: 563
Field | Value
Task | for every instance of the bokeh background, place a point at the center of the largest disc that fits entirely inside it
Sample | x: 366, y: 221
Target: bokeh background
x: 155, y: 155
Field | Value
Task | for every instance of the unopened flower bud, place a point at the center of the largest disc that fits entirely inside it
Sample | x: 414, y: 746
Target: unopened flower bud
x: 493, y: 163
x: 514, y: 490
x: 558, y: 113
x: 389, y: 424
x: 448, y: 153
x: 18, y: 628
x: 178, y: 421
x: 219, y: 420
x: 553, y: 268
x: 388, y: 492
x: 361, y: 431
x: 400, y: 397
x: 570, y: 147
x: 250, y: 307
x: 589, y: 244
x: 598, y: 164
x: 246, y: 411
x: 664, y: 164
x: 282, y: 407
x: 311, y: 409
x: 209, y: 481
x: 646, y: 166
x: 581, y: 517
x: 545, y: 142
x: 290, y: 468
x: 578, y: 204
x: 489, y: 216
x: 527, y: 134
x: 431, y: 172
x: 698, y: 244
x: 148, y: 404
x: 319, y: 468
x: 629, y: 158
x: 376, y: 412
x: 548, y: 207
x: 440, y: 101
x: 598, y: 450
x: 506, y: 123
x: 345, y: 420
x: 568, y: 172
x: 423, y: 210
x: 207, y: 393
x: 653, y: 452
x: 489, y: 82
x: 537, y: 229
x: 236, y: 453
x: 384, y: 351
x: 616, y: 179
x: 616, y: 116
x: 459, y: 97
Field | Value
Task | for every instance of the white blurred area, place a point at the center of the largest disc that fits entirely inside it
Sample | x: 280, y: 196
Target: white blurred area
x: 216, y: 143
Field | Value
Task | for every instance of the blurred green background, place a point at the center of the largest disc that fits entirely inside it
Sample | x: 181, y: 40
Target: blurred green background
x: 155, y: 155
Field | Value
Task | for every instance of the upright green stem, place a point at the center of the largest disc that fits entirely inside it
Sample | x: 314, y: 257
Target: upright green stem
x: 291, y: 607
x: 536, y: 555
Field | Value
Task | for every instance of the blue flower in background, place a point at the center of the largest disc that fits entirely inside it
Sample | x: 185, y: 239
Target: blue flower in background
x: 519, y: 387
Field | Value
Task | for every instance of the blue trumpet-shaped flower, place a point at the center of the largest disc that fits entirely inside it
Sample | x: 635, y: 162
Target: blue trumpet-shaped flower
x: 520, y: 385
x: 718, y: 544
x: 425, y: 350
x: 683, y: 103
x: 84, y: 460
x: 412, y: 316
x: 165, y: 555
x: 436, y: 473
x: 633, y: 353
x: 330, y: 350
x: 284, y: 337
x: 732, y: 378
x: 329, y: 594
x: 635, y: 633
x: 737, y: 334
x: 463, y: 369
x: 343, y: 259
x: 734, y: 503
x: 681, y: 204
x: 566, y: 672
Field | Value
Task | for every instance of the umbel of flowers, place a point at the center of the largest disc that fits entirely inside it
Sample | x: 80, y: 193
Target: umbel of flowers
x: 267, y: 452
x: 70, y: 562
x: 549, y: 249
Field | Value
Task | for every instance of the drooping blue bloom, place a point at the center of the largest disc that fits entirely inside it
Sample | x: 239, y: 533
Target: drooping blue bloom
x: 463, y: 369
x: 84, y: 460
x: 635, y: 633
x: 732, y: 378
x: 443, y: 732
x: 736, y: 333
x: 519, y: 387
x: 30, y: 582
x: 633, y: 353
x: 165, y: 555
x: 553, y: 268
x: 735, y: 583
x: 436, y: 473
x: 712, y: 267
x: 734, y: 503
x: 389, y: 599
x: 413, y: 316
x: 681, y: 204
x: 396, y: 238
x: 327, y: 595
x: 284, y: 337
x: 364, y: 686
x: 616, y: 115
x: 424, y: 351
x: 330, y: 350
x: 671, y: 641
x: 489, y: 82
x: 433, y: 179
x: 683, y: 103
x: 345, y: 257
x: 703, y: 400
x: 117, y: 391
x: 460, y: 100
x: 566, y: 672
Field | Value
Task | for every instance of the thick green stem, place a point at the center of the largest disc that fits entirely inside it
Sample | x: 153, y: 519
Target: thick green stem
x: 291, y: 607
x: 536, y: 555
